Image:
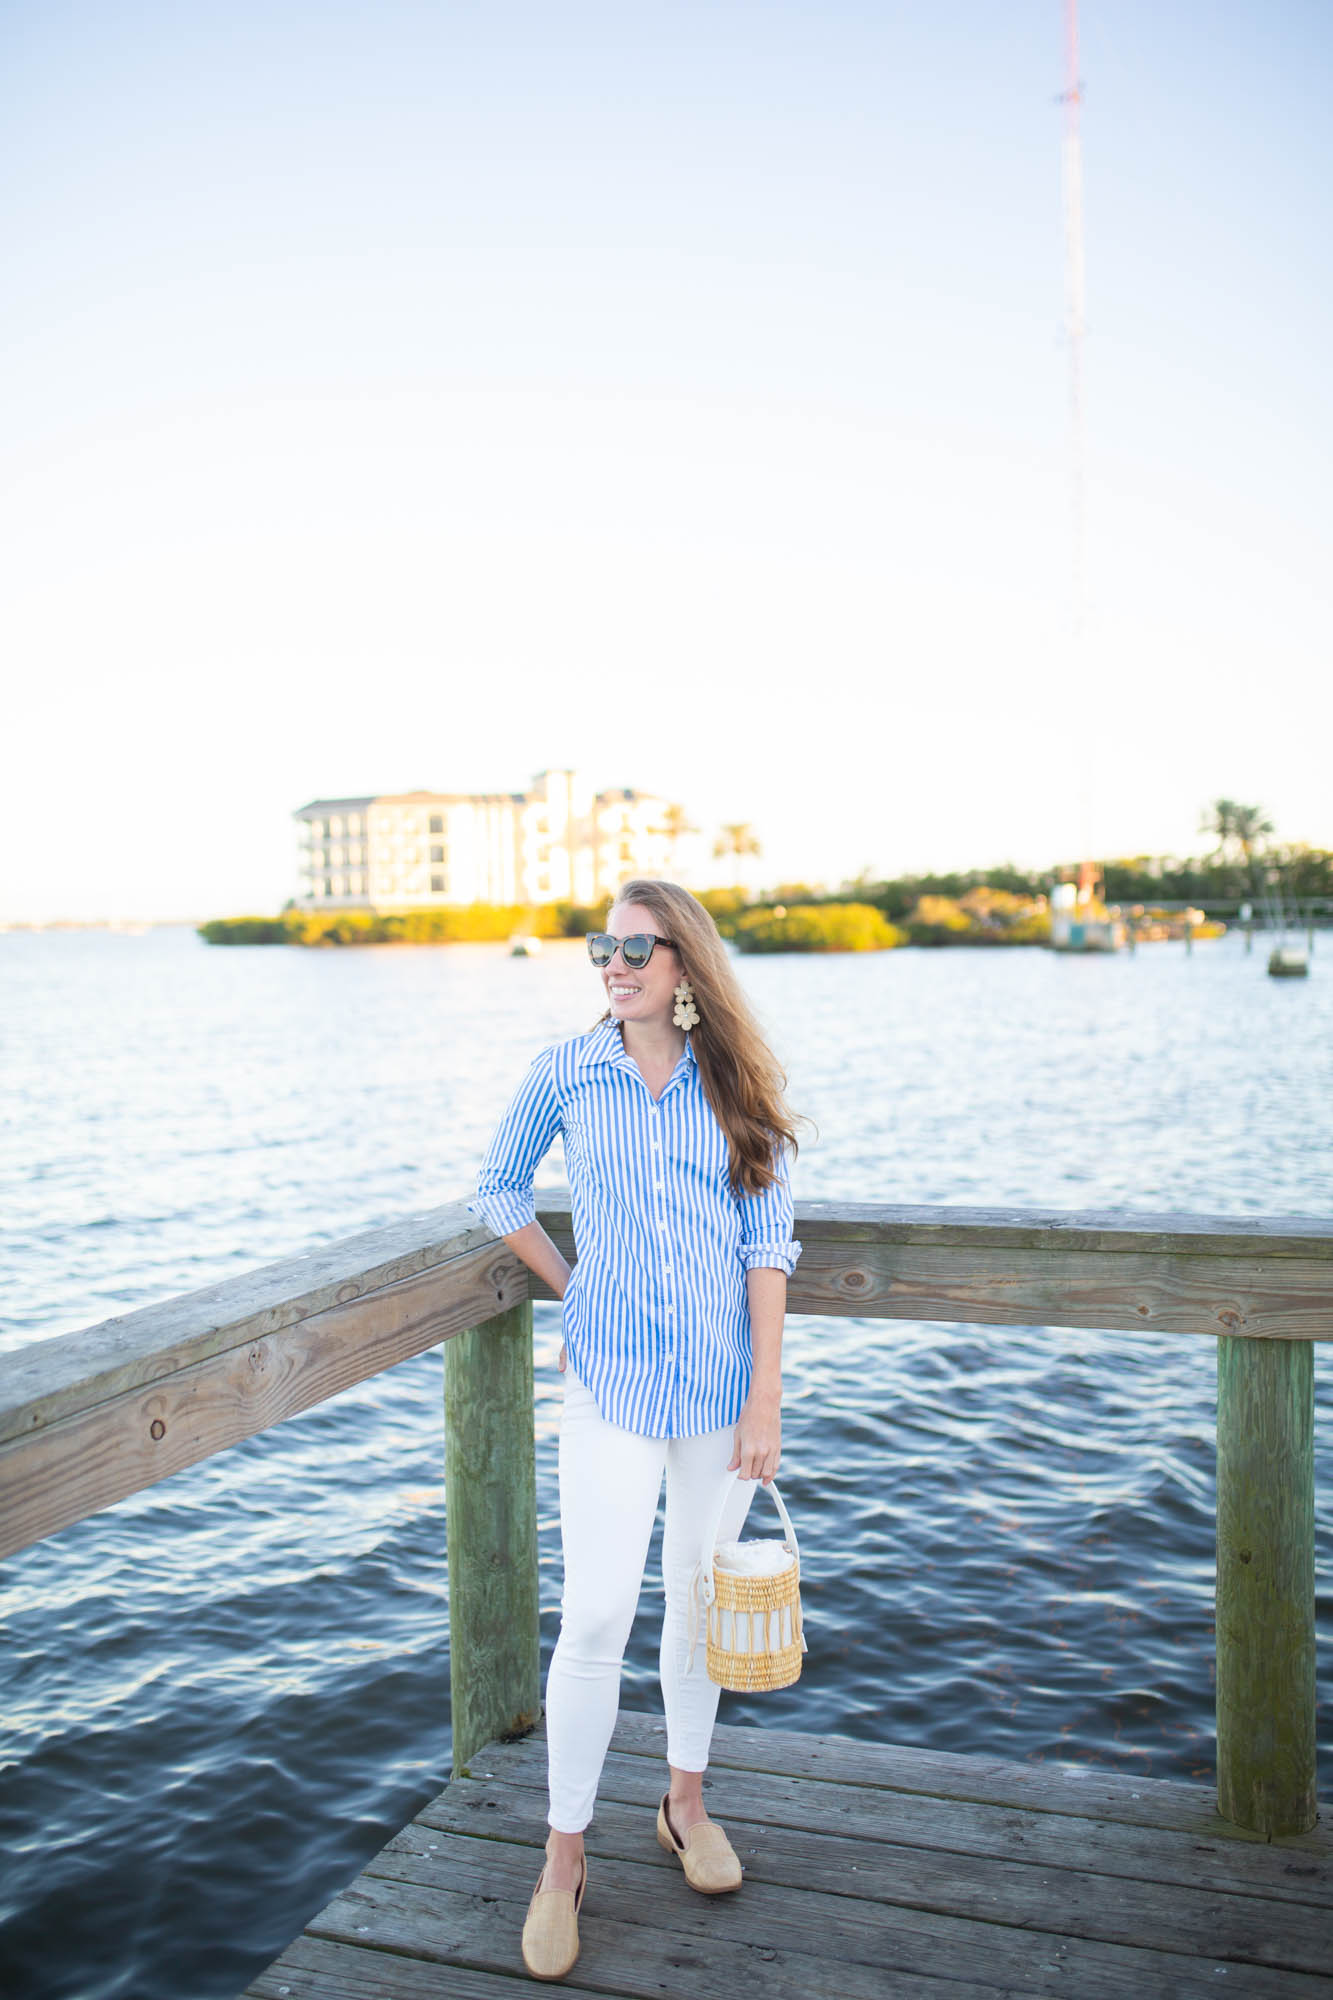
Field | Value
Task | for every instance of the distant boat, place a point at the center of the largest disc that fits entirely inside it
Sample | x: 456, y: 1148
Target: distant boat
x: 1286, y: 961
x: 524, y: 947
x: 1080, y: 921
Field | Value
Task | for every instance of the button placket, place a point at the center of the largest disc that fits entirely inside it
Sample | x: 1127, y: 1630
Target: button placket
x: 663, y: 1226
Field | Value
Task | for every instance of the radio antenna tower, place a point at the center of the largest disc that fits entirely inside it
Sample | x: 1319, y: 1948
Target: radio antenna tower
x: 1072, y: 99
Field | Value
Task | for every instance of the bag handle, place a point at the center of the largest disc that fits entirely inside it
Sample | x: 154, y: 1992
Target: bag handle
x: 706, y: 1583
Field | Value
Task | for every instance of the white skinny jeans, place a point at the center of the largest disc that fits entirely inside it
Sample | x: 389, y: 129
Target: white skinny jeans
x: 610, y: 1480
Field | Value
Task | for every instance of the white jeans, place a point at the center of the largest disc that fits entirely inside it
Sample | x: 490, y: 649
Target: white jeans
x: 610, y: 1480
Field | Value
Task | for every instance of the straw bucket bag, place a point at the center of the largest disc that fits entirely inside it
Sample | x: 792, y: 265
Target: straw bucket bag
x: 749, y: 1595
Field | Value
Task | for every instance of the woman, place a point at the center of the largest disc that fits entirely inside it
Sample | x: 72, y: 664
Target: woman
x: 676, y: 1139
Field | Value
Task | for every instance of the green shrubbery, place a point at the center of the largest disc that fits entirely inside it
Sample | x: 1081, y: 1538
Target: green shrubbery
x: 329, y: 927
x: 724, y: 906
x: 245, y: 930
x: 816, y: 927
x: 999, y: 908
x: 984, y: 915
x: 938, y: 920
x: 468, y: 923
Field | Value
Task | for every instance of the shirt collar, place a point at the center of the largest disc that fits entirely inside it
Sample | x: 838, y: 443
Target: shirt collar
x: 605, y: 1044
x: 601, y: 1044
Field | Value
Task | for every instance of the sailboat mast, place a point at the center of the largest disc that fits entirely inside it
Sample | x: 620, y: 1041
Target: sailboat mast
x: 1073, y: 202
x: 1072, y: 162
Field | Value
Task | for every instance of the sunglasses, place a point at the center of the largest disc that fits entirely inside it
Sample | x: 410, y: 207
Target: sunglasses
x: 635, y: 951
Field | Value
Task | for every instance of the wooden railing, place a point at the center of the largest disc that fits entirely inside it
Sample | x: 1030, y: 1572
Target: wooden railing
x: 87, y: 1418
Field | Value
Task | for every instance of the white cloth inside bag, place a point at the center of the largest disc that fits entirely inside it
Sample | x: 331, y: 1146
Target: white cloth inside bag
x: 755, y: 1558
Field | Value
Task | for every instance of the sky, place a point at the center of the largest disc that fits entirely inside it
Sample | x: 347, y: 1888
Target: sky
x: 417, y: 395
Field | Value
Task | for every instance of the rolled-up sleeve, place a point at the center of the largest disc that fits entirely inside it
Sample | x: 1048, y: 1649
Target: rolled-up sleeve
x: 766, y: 1221
x: 504, y: 1198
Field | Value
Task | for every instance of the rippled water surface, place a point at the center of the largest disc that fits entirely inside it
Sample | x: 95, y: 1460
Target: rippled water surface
x: 224, y: 1694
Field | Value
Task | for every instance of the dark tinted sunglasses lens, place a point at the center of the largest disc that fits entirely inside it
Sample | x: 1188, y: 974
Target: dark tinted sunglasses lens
x: 601, y: 949
x: 636, y: 951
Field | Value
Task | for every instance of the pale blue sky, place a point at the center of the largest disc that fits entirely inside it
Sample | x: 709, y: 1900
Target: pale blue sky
x: 421, y: 395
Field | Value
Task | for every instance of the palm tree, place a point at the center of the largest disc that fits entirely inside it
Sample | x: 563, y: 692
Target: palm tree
x: 1220, y: 820
x: 739, y: 840
x: 675, y: 825
x: 1237, y: 827
x: 1249, y: 827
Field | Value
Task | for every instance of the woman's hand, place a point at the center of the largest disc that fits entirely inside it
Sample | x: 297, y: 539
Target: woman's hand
x: 560, y: 1364
x: 758, y: 1446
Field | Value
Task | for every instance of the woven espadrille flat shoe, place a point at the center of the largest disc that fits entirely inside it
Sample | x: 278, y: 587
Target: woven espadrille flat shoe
x: 551, y: 1928
x: 710, y: 1861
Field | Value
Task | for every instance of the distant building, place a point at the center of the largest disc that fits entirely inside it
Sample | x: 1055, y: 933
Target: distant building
x: 558, y: 842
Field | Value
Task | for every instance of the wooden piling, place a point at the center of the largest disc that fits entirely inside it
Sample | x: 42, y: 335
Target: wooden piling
x: 490, y: 1498
x: 1265, y: 1584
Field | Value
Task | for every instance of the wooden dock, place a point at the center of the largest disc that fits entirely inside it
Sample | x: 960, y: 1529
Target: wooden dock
x: 871, y: 1873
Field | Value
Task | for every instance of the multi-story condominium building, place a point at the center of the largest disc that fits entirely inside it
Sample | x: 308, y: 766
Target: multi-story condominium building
x: 558, y: 842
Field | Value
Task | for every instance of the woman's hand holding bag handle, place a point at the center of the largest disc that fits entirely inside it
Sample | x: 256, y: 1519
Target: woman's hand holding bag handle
x: 753, y: 1628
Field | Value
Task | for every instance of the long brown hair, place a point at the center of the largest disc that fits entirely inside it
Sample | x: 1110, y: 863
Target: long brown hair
x: 742, y: 1078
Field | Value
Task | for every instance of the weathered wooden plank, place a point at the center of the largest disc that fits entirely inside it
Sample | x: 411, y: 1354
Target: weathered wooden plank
x: 1076, y: 1790
x: 618, y: 1956
x: 53, y: 1378
x: 1163, y: 1294
x: 914, y: 1264
x: 643, y: 1928
x: 490, y: 1503
x: 814, y: 1848
x: 314, y: 1968
x: 638, y: 1941
x: 955, y: 1828
x: 65, y: 1469
x: 1175, y: 1233
x: 1265, y: 1585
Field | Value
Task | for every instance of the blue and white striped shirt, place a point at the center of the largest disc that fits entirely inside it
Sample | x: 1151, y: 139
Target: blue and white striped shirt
x: 656, y: 1312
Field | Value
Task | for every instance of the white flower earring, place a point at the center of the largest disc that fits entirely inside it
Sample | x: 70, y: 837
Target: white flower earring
x: 687, y: 1014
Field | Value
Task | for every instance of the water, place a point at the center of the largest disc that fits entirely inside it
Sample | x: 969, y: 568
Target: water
x: 227, y: 1692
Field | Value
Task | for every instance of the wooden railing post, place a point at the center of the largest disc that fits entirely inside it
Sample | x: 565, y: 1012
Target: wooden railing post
x: 1265, y: 1584
x: 490, y: 1499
